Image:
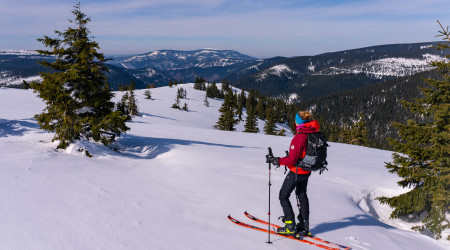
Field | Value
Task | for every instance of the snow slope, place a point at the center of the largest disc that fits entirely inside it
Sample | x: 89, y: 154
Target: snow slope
x: 174, y: 181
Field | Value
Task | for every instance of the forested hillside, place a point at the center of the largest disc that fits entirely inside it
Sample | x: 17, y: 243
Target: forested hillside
x: 379, y: 103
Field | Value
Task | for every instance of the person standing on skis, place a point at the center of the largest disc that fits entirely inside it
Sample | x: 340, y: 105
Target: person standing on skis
x: 297, y: 178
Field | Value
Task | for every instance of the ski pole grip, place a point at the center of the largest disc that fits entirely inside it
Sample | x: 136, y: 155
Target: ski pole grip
x: 270, y: 151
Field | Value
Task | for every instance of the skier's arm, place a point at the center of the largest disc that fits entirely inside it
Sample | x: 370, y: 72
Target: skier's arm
x: 296, y: 150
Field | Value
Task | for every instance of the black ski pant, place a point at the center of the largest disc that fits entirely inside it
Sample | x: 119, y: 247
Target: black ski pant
x: 290, y: 183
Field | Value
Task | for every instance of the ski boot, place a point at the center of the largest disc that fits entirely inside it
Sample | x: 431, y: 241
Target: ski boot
x: 302, y: 229
x: 288, y: 229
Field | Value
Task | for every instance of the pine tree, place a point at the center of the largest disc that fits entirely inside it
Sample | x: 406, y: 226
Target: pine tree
x: 269, y: 127
x: 226, y: 120
x: 359, y: 133
x: 132, y: 103
x: 198, y: 83
x: 261, y: 109
x: 251, y: 100
x: 76, y: 92
x: 170, y: 83
x: 225, y: 87
x: 251, y: 123
x: 185, y: 107
x: 176, y: 105
x: 132, y: 86
x: 212, y: 91
x: 422, y: 157
x: 280, y: 110
x: 25, y: 85
x: 242, y: 99
x: 181, y: 93
x: 282, y: 132
x: 205, y: 101
x: 148, y: 94
x: 122, y: 106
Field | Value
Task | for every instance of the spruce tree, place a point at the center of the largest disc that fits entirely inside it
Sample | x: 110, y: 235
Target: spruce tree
x: 226, y: 120
x: 205, y: 101
x: 122, y: 106
x: 242, y: 99
x: 176, y: 105
x: 198, y: 83
x: 269, y: 127
x: 359, y: 132
x: 212, y: 91
x: 282, y: 132
x: 251, y: 123
x: 76, y: 92
x: 251, y: 100
x: 132, y: 103
x: 260, y: 108
x: 181, y: 93
x: 185, y: 107
x: 148, y: 94
x: 132, y: 86
x: 422, y: 157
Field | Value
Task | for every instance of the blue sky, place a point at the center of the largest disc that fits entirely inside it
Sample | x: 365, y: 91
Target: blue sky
x: 257, y: 28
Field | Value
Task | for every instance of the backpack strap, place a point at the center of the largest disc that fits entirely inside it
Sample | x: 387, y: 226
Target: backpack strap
x: 300, y: 159
x: 285, y: 168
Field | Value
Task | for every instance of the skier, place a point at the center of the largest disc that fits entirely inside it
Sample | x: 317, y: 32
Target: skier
x: 296, y: 178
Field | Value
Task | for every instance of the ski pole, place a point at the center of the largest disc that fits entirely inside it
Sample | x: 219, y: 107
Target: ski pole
x: 270, y: 184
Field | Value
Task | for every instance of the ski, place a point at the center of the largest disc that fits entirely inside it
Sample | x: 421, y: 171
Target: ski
x: 273, y: 232
x: 309, y: 237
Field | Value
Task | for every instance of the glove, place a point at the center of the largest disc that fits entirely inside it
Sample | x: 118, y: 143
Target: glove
x: 276, y: 161
x: 269, y: 158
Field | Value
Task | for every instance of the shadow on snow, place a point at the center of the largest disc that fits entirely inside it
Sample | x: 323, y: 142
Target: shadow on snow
x: 139, y: 147
x: 357, y: 220
x: 16, y: 127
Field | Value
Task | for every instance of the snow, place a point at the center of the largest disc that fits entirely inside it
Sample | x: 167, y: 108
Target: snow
x: 7, y: 79
x: 21, y: 52
x: 426, y: 46
x: 174, y: 181
x: 277, y: 70
x: 393, y: 66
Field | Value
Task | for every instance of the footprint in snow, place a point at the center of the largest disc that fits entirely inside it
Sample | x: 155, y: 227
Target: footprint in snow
x: 358, y: 244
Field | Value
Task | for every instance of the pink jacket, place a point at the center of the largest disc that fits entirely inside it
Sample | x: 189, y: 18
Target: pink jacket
x: 297, y: 149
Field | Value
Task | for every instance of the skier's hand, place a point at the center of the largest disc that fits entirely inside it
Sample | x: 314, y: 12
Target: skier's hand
x: 276, y: 161
x: 269, y: 158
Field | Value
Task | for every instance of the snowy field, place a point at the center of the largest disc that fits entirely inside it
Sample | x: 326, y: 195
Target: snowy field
x: 173, y: 183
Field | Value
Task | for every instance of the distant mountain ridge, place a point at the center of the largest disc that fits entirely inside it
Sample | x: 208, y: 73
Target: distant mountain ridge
x: 303, y: 76
x: 312, y: 76
x: 178, y: 59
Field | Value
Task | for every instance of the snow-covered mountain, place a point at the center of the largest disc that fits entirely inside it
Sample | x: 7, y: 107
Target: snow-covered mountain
x: 172, y: 182
x: 341, y: 70
x: 18, y: 52
x: 17, y: 66
x: 390, y: 66
x: 304, y: 76
x: 178, y: 59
